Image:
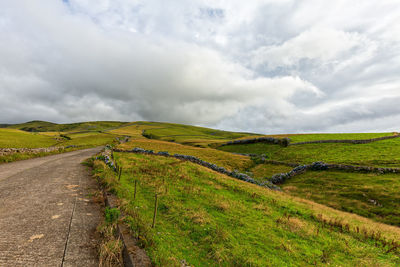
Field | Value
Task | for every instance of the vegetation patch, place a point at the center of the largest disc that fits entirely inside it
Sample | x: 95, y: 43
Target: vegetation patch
x: 220, y: 158
x: 261, y: 171
x: 367, y: 194
x: 378, y: 154
x: 207, y: 219
x: 44, y: 126
x: 10, y: 138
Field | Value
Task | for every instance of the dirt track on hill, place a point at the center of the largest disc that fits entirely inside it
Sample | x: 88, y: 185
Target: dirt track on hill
x: 47, y: 216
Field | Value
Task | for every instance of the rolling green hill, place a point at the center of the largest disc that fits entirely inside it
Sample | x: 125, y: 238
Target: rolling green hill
x: 180, y: 133
x: 44, y: 126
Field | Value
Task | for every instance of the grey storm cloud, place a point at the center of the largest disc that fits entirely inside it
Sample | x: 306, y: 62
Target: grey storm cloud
x: 264, y: 66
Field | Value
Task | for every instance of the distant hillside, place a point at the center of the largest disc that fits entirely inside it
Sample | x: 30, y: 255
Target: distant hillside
x: 179, y: 133
x: 44, y: 126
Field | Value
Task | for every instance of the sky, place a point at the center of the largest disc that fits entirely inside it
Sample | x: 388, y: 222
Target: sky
x: 266, y: 66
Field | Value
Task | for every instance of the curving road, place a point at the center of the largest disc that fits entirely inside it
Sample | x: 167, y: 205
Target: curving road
x: 47, y: 215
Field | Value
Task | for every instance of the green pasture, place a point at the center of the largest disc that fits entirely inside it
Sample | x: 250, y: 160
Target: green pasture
x: 384, y: 153
x: 207, y: 219
x: 10, y: 138
x: 370, y: 195
x: 334, y: 136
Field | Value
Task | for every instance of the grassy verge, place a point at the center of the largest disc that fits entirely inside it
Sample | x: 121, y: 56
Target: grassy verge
x: 110, y: 249
x: 208, y: 219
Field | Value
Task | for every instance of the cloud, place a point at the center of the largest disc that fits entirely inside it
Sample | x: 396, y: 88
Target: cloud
x: 321, y: 45
x: 266, y: 66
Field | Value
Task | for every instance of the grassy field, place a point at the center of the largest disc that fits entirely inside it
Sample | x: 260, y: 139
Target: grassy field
x: 208, y: 219
x: 345, y: 191
x: 134, y: 130
x: 222, y: 159
x: 10, y: 138
x: 80, y: 137
x: 295, y: 138
x: 19, y: 139
x: 370, y: 195
x: 179, y: 133
x: 384, y: 153
x: 89, y: 140
x: 260, y: 171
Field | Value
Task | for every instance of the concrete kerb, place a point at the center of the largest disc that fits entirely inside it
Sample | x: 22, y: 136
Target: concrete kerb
x: 132, y: 255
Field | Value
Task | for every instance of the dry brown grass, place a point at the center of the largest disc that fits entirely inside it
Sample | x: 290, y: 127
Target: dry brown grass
x: 353, y: 220
x: 263, y: 206
x: 110, y: 249
x: 200, y: 217
x: 222, y: 205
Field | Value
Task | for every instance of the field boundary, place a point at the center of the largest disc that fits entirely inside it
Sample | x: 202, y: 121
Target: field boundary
x: 321, y: 166
x: 222, y: 170
x: 9, y: 151
x: 287, y: 142
x: 348, y: 141
x: 271, y: 140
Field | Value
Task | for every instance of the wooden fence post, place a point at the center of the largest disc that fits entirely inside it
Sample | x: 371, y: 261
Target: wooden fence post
x: 119, y: 174
x: 155, y: 211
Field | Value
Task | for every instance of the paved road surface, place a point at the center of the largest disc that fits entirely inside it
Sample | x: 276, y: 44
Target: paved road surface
x: 47, y: 217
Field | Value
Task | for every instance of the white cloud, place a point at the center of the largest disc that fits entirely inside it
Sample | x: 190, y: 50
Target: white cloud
x: 323, y: 45
x: 266, y: 66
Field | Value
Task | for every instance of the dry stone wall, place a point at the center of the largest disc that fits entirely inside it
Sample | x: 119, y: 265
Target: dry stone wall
x: 321, y: 166
x: 234, y: 174
x: 9, y: 151
x: 270, y: 140
x: 287, y: 142
x: 363, y: 141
